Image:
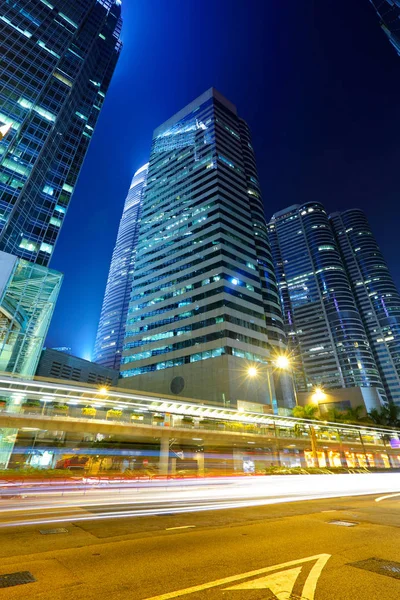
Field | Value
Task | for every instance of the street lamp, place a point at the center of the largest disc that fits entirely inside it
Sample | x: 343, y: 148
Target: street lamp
x: 282, y: 362
x: 252, y: 372
x: 318, y: 395
x: 103, y: 391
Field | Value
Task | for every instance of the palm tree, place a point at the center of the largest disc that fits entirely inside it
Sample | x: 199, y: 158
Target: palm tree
x: 392, y: 412
x: 378, y: 416
x: 335, y: 415
x: 308, y: 411
x: 388, y: 415
x: 354, y: 415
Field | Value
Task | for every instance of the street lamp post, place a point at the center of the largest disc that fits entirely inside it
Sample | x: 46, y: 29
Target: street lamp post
x: 318, y: 395
x: 281, y: 362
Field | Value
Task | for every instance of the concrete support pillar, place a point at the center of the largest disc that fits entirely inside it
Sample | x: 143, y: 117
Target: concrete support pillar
x: 200, y: 464
x: 164, y: 455
x: 237, y: 460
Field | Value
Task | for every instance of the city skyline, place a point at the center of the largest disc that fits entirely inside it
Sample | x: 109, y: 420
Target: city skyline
x: 224, y: 357
x: 323, y: 120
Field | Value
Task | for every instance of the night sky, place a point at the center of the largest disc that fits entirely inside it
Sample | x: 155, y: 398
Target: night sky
x: 318, y: 83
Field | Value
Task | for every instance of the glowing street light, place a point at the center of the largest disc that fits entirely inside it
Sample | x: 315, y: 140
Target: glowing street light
x: 282, y: 362
x: 318, y: 395
x: 252, y: 372
x: 103, y: 391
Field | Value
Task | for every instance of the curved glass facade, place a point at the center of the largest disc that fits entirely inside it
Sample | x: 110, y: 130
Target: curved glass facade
x: 377, y: 297
x: 111, y: 330
x: 58, y: 58
x: 325, y: 331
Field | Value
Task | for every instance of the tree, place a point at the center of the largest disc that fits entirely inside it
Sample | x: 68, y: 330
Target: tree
x: 392, y: 412
x: 377, y: 416
x: 334, y: 415
x: 308, y: 411
x: 388, y: 415
x: 354, y: 415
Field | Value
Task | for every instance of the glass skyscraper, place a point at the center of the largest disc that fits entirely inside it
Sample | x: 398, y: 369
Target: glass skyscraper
x: 28, y: 294
x: 111, y: 330
x: 325, y: 330
x: 377, y: 297
x: 389, y: 16
x: 204, y: 303
x: 57, y: 59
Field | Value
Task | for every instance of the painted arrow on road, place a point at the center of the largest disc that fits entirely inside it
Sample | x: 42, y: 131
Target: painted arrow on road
x: 280, y: 581
x: 281, y: 584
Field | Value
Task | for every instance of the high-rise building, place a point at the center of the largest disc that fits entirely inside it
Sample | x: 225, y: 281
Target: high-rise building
x: 377, y: 297
x: 111, y: 330
x: 389, y: 16
x: 204, y: 305
x: 28, y: 294
x: 326, y: 334
x: 57, y: 59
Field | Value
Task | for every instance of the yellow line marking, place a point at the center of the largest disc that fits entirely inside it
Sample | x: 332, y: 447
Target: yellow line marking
x: 308, y: 590
x: 386, y: 497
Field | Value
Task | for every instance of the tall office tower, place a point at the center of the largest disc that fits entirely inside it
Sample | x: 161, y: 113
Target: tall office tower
x: 325, y: 329
x: 378, y: 299
x: 204, y: 304
x: 57, y: 59
x: 389, y: 16
x: 111, y: 330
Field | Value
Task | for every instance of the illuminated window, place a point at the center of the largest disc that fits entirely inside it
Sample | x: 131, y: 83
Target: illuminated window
x: 46, y: 248
x: 29, y: 245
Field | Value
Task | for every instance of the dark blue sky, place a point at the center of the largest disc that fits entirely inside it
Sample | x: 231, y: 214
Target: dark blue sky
x: 319, y: 85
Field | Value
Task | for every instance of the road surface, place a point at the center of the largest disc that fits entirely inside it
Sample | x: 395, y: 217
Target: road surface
x: 314, y: 550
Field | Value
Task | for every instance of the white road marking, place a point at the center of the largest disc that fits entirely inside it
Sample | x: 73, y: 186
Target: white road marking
x: 386, y: 497
x: 277, y: 580
x: 181, y: 527
x: 281, y: 584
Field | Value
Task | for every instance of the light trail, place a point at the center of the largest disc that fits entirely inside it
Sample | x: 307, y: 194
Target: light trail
x: 386, y: 497
x: 42, y: 505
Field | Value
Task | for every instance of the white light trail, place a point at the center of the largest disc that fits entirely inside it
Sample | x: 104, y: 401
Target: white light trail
x: 132, y: 499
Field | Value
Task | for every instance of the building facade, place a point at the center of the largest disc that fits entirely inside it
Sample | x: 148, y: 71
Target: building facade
x: 60, y: 365
x: 28, y: 294
x: 204, y: 304
x: 57, y: 59
x: 326, y: 334
x: 377, y: 297
x: 111, y: 329
x: 388, y: 12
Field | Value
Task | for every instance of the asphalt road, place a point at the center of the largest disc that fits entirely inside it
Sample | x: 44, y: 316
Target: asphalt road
x: 283, y: 551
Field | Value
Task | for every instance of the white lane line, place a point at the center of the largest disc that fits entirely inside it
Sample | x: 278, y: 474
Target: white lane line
x: 181, y: 527
x: 386, y: 497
